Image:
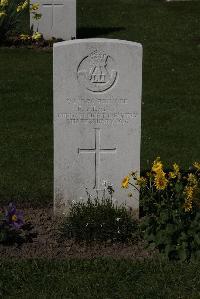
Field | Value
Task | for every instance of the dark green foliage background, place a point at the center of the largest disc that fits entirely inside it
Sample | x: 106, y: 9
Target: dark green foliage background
x: 170, y: 35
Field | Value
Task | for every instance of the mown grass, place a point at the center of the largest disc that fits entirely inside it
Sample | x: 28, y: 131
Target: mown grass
x: 26, y: 125
x: 99, y: 278
x: 170, y: 35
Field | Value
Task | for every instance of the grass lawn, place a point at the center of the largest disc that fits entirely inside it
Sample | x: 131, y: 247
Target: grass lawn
x: 100, y: 278
x: 170, y: 35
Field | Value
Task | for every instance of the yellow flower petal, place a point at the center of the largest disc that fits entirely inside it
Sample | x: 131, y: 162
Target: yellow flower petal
x: 160, y: 181
x: 3, y: 3
x: 36, y: 36
x: 157, y: 165
x: 3, y: 14
x: 34, y: 6
x: 172, y: 175
x: 176, y: 168
x: 192, y: 180
x: 197, y: 165
x: 125, y: 182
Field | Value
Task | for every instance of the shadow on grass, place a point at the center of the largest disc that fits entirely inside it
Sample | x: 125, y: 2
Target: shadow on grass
x: 89, y: 32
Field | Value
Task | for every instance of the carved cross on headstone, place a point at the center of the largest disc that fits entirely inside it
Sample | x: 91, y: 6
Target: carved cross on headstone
x: 97, y: 150
x: 52, y: 4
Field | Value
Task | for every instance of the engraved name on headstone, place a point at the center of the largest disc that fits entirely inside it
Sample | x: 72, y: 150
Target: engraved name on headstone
x: 58, y: 19
x: 97, y: 118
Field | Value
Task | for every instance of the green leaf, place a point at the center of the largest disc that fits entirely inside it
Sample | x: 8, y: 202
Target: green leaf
x: 178, y: 187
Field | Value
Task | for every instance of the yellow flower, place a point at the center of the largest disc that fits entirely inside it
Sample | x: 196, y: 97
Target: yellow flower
x: 2, y: 14
x: 192, y: 180
x: 34, y: 6
x: 176, y: 168
x: 36, y: 35
x: 141, y: 181
x: 197, y: 165
x: 160, y: 180
x: 19, y: 8
x: 24, y: 5
x: 157, y: 165
x: 172, y: 175
x: 14, y: 218
x: 125, y: 182
x: 175, y: 173
x: 188, y: 205
x: 24, y: 36
x: 3, y: 3
x: 189, y: 193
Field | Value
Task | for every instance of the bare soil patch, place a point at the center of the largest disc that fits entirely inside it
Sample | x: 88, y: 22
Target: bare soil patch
x: 47, y: 244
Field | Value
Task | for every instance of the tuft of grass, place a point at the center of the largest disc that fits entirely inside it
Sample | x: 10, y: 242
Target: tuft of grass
x: 99, y: 220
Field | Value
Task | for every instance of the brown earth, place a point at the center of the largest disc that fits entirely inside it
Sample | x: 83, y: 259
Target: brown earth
x: 46, y: 243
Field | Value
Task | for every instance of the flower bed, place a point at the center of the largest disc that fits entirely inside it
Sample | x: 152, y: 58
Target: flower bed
x: 46, y: 242
x: 170, y: 200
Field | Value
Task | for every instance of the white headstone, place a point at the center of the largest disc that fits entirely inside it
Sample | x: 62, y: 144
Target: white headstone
x: 58, y: 19
x: 97, y: 118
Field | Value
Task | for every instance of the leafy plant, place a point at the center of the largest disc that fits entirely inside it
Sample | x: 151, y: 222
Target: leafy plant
x: 171, y: 203
x: 99, y: 220
x: 13, y: 227
x: 10, y: 15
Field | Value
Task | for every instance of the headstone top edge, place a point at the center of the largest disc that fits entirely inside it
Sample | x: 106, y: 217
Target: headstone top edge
x: 97, y: 40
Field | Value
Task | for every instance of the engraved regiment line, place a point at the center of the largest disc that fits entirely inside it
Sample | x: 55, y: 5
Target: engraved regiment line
x: 97, y: 150
x: 97, y: 117
x: 87, y: 116
x: 98, y: 101
x: 52, y: 5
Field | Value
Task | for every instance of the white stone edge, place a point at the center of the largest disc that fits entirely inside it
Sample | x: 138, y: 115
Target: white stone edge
x: 97, y: 40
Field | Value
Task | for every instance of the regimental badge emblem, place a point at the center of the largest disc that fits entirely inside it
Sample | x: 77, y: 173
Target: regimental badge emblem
x: 96, y: 72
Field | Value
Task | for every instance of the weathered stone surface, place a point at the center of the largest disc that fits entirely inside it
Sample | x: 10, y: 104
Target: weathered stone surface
x: 97, y: 118
x: 58, y: 19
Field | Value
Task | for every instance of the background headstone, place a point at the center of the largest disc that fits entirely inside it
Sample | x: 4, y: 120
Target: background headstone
x: 97, y: 118
x: 58, y: 19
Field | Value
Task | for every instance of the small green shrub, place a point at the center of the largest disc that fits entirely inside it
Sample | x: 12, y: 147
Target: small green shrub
x: 170, y: 201
x: 99, y: 220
